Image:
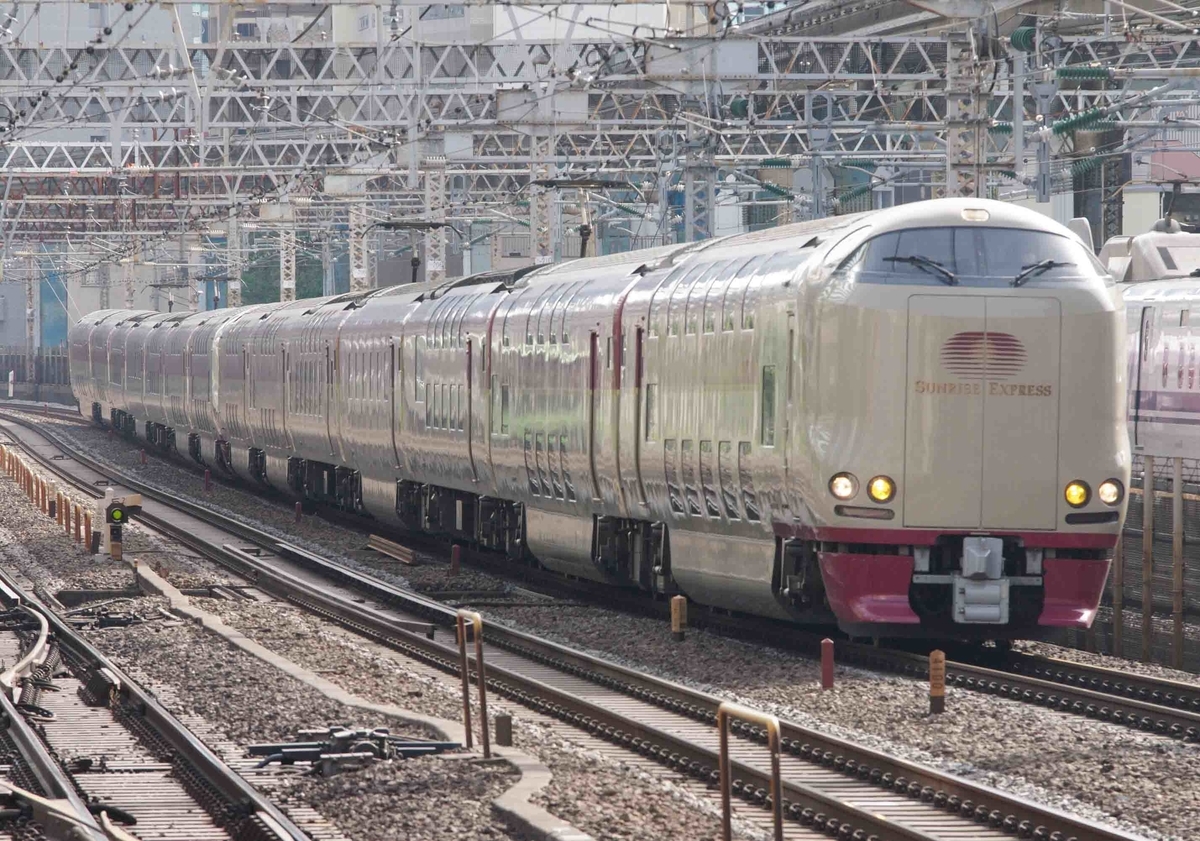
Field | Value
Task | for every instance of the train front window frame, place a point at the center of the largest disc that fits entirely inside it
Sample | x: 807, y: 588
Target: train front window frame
x: 981, y: 257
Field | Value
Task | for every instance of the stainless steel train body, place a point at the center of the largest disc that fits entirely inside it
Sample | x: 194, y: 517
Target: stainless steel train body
x: 1159, y: 272
x: 791, y: 423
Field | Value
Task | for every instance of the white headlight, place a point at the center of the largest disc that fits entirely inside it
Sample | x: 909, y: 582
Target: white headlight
x: 1110, y: 492
x: 843, y: 485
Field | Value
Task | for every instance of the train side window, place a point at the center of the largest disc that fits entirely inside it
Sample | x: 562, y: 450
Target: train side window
x: 706, y: 480
x: 428, y: 408
x: 687, y: 462
x: 568, y: 485
x: 746, y: 480
x: 768, y: 406
x: 1184, y: 318
x: 725, y: 477
x: 651, y: 411
x: 445, y: 407
x: 661, y: 298
x: 679, y: 296
x: 453, y: 424
x: 671, y: 470
x: 504, y: 409
x: 529, y: 474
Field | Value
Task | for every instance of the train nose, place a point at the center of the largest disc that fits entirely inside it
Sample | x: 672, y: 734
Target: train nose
x: 982, y: 415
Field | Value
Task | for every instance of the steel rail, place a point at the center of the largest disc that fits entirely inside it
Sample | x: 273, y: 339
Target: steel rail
x: 975, y: 802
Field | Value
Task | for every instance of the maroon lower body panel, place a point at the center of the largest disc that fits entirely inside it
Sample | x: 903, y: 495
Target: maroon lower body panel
x: 868, y: 588
x: 1072, y: 591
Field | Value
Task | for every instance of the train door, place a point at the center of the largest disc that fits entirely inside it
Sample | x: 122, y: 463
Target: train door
x: 470, y: 411
x: 1144, y: 375
x: 396, y: 388
x: 329, y: 371
x: 593, y: 407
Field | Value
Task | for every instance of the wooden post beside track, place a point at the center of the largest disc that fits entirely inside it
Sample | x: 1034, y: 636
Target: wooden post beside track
x: 78, y: 526
x: 1177, y: 563
x: 678, y: 617
x: 937, y: 682
x: 1147, y: 558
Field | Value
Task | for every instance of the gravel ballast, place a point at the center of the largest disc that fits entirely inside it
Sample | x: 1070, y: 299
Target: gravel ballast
x: 1132, y: 780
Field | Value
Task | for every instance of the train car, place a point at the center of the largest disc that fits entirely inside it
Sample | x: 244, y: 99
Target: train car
x: 1159, y: 272
x: 911, y: 422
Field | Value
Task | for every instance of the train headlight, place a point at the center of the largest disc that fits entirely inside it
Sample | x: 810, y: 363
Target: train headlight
x: 881, y: 489
x: 843, y: 485
x: 1077, y: 494
x: 1111, y: 492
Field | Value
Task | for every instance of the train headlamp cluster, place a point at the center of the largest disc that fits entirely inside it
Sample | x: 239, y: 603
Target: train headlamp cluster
x: 881, y: 489
x: 1077, y: 493
x: 1111, y: 492
x: 844, y: 486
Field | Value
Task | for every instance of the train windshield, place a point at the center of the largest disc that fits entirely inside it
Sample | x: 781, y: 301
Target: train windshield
x: 972, y: 256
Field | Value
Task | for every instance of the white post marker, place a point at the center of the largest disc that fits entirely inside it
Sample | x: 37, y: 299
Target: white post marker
x: 11, y: 380
x: 98, y: 520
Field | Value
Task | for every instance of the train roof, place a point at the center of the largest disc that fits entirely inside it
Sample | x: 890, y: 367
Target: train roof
x: 1164, y: 253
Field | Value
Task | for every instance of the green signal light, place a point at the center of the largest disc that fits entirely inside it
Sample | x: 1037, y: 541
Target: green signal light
x: 118, y: 514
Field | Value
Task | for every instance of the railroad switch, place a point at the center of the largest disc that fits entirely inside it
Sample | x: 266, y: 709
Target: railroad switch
x: 340, y: 748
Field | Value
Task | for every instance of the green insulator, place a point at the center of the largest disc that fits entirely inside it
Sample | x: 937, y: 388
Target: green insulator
x: 1084, y: 72
x: 852, y: 194
x: 777, y: 191
x: 1008, y: 173
x: 1001, y: 128
x: 1024, y: 38
x: 860, y: 163
x: 740, y: 107
x: 1084, y: 166
x: 1078, y: 121
x: 775, y: 163
x: 624, y: 208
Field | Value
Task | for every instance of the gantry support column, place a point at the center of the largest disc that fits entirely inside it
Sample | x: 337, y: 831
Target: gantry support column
x: 541, y: 244
x: 102, y: 280
x: 233, y: 249
x: 128, y: 279
x: 966, y: 121
x: 435, y: 211
x: 360, y: 280
x: 31, y: 282
x: 287, y: 262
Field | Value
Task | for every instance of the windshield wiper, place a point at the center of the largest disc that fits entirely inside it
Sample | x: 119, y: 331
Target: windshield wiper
x: 1037, y: 268
x: 948, y: 277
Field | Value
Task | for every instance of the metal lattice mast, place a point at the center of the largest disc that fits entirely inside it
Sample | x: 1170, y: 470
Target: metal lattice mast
x: 699, y: 185
x: 233, y: 250
x: 541, y: 245
x: 128, y: 278
x: 435, y: 211
x: 31, y: 282
x: 359, y: 278
x: 966, y: 120
x: 102, y: 279
x: 287, y: 262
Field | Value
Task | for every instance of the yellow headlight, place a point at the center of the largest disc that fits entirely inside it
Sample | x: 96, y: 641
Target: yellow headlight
x: 1077, y: 494
x: 881, y: 489
x: 1110, y: 491
x: 843, y: 485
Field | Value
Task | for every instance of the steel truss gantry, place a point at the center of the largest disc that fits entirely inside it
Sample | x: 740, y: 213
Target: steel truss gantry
x: 242, y: 123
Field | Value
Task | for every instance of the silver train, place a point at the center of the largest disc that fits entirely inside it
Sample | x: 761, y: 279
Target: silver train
x: 1159, y: 272
x: 910, y: 421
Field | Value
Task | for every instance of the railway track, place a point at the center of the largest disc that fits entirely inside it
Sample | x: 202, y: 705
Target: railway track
x: 94, y: 752
x: 1147, y: 704
x: 831, y: 787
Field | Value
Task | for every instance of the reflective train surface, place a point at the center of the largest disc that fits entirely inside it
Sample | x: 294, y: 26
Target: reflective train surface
x: 910, y: 421
x: 1159, y: 273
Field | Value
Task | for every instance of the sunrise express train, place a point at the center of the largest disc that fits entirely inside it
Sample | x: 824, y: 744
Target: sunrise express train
x: 913, y: 419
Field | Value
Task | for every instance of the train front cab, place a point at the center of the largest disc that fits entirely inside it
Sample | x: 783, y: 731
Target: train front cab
x: 1006, y: 476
